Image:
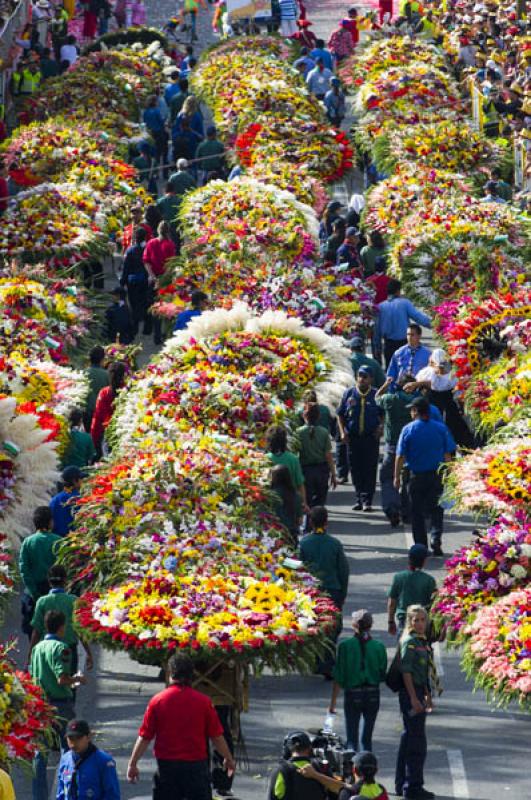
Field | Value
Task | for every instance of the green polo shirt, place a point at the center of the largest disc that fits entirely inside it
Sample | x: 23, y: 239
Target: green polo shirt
x: 56, y: 600
x: 37, y: 554
x: 325, y: 418
x: 181, y: 182
x: 80, y: 451
x: 50, y: 659
x: 98, y: 378
x: 313, y: 444
x: 169, y: 207
x: 349, y: 671
x: 361, y: 360
x: 291, y: 461
x: 212, y: 152
x: 411, y: 588
x: 414, y: 659
x: 397, y: 414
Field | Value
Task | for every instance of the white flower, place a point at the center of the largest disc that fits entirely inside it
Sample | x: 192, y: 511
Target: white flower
x: 517, y: 571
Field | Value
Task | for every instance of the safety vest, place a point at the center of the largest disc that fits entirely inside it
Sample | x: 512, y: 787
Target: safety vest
x: 30, y: 81
x: 490, y: 115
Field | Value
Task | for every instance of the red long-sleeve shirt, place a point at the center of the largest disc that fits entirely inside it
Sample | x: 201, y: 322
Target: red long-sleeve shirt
x: 102, y: 414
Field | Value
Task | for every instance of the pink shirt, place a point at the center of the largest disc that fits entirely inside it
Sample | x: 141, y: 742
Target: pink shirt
x: 157, y: 252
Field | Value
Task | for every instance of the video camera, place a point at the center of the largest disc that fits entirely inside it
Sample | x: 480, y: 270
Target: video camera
x: 328, y: 751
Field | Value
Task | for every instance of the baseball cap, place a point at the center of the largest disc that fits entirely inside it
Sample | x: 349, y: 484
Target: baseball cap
x: 365, y: 370
x: 77, y: 727
x: 418, y: 553
x: 71, y: 474
x: 356, y: 341
x: 211, y: 130
x: 298, y: 740
x: 352, y: 232
x: 333, y: 205
x: 421, y: 404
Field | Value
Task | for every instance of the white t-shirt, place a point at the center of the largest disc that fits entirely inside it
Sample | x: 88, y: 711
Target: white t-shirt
x: 439, y: 383
x: 69, y: 53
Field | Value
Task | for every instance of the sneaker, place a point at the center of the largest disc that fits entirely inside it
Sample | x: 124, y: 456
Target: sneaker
x: 357, y: 507
x: 368, y: 509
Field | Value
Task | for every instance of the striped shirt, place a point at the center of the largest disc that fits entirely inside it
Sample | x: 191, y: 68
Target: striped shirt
x: 288, y: 9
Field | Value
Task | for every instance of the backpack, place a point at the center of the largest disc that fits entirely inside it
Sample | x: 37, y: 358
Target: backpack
x: 394, y: 679
x: 297, y: 787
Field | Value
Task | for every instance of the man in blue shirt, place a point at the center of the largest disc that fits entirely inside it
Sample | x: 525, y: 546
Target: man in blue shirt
x: 85, y: 772
x: 199, y: 302
x: 172, y: 88
x: 62, y: 505
x: 423, y: 445
x: 320, y: 51
x: 411, y: 357
x: 348, y: 252
x: 394, y: 315
x: 360, y: 423
x: 304, y: 63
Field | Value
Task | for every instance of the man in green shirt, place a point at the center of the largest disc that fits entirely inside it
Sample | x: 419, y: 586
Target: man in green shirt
x: 98, y: 378
x: 181, y: 180
x: 168, y: 206
x: 315, y: 452
x: 80, y: 451
x: 58, y: 599
x: 211, y: 154
x: 50, y: 668
x: 325, y: 558
x: 411, y: 587
x: 37, y: 554
x: 359, y: 359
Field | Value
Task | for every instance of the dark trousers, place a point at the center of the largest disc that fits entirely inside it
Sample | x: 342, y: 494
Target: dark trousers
x: 151, y: 322
x: 224, y: 714
x: 342, y: 466
x: 453, y: 418
x: 425, y: 489
x: 93, y: 274
x: 393, y: 501
x: 390, y: 345
x: 326, y: 664
x: 316, y: 483
x: 161, y: 149
x: 361, y: 705
x: 137, y: 294
x: 409, y: 776
x: 182, y: 780
x: 363, y: 457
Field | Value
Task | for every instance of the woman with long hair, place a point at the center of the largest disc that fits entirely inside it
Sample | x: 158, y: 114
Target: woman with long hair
x: 415, y: 698
x: 287, y: 501
x: 277, y: 449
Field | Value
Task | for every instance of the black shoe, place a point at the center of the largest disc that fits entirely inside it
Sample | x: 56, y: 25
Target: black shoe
x: 357, y: 507
x: 420, y: 794
x: 394, y: 519
x: 368, y: 508
x: 436, y: 550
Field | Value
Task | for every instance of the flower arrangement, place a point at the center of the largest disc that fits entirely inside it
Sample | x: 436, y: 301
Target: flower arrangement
x: 500, y: 393
x: 28, y: 465
x: 7, y: 565
x: 496, y: 562
x: 26, y: 719
x: 384, y: 54
x: 495, y: 479
x: 497, y: 655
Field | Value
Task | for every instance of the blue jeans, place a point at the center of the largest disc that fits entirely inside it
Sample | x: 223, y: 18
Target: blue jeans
x: 64, y: 711
x: 361, y: 704
x: 409, y: 776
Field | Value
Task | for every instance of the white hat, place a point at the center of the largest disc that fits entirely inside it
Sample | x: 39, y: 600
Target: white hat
x: 491, y: 64
x: 439, y: 357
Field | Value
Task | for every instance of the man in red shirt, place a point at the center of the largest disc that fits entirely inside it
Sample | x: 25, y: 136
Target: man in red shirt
x: 181, y: 721
x: 128, y: 233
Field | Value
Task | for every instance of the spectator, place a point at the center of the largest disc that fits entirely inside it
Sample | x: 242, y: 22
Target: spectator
x: 169, y: 205
x: 118, y: 322
x: 69, y: 51
x: 361, y: 665
x: 37, y: 554
x: 277, y: 444
x: 325, y: 418
x: 181, y: 181
x: 80, y: 451
x: 286, y: 502
x: 410, y: 587
x: 199, y: 301
x: 379, y: 280
x: 184, y: 139
x: 334, y: 242
x: 177, y: 100
x: 341, y: 44
x: 304, y: 35
x: 288, y: 17
x: 62, y: 505
x: 320, y: 51
x: 350, y: 23
x: 181, y: 721
x: 304, y: 63
x: 300, y: 773
x: 318, y: 79
x: 173, y: 87
x: 364, y: 769
x: 356, y: 205
x: 128, y: 234
x: 157, y: 253
x: 491, y: 193
x: 154, y: 122
x: 85, y: 772
x: 503, y: 189
x: 59, y: 31
x: 190, y: 111
x: 48, y: 66
x: 330, y: 215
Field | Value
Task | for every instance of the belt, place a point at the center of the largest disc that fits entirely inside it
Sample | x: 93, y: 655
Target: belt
x: 428, y: 472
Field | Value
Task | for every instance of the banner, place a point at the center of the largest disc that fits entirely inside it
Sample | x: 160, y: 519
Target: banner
x: 248, y: 9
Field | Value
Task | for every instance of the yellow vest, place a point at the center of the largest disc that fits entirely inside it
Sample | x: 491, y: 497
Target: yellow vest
x: 30, y: 81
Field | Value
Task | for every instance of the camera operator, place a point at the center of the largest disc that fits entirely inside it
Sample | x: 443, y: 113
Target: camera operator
x: 300, y: 776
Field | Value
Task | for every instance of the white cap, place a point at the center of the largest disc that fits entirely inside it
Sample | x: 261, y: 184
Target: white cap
x: 439, y: 357
x: 491, y: 64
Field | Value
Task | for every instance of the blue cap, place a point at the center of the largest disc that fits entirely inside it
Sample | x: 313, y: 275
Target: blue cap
x: 365, y: 370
